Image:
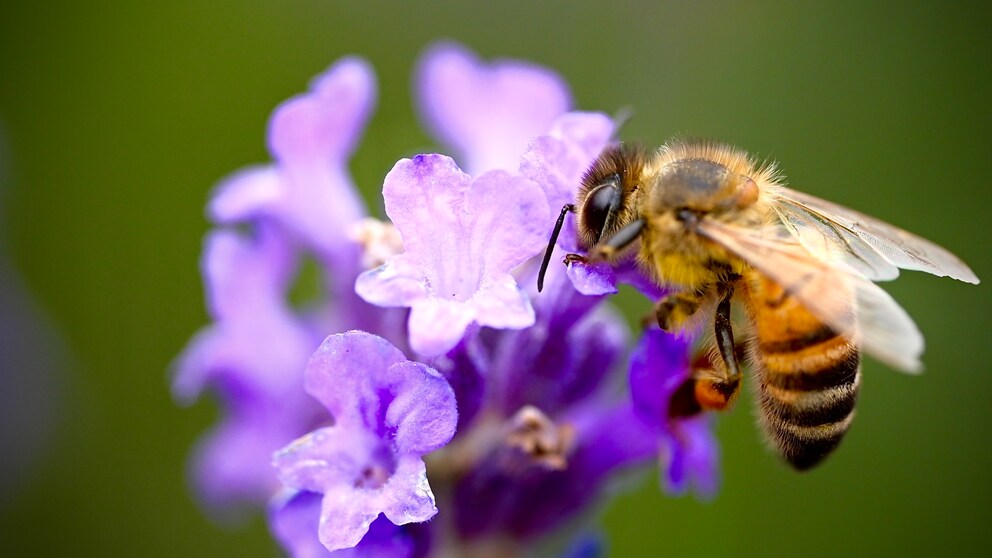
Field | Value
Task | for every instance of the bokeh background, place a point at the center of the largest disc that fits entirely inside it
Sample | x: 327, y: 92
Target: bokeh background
x: 117, y: 117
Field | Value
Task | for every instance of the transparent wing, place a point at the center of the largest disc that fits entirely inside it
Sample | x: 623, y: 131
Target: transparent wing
x: 856, y: 235
x: 831, y: 241
x: 882, y: 327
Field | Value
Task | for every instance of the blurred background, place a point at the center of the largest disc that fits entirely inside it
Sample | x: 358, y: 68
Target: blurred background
x: 116, y: 118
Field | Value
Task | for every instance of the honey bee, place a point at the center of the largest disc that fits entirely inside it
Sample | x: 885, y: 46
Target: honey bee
x: 717, y: 229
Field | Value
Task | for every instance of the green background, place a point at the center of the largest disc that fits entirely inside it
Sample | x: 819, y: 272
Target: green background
x: 118, y: 117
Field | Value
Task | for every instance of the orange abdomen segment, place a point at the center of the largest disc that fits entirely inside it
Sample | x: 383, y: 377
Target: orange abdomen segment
x: 808, y: 376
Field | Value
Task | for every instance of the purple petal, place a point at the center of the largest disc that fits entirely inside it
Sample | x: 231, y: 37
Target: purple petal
x: 337, y: 374
x: 558, y: 159
x: 326, y: 123
x: 436, y: 325
x: 326, y: 458
x: 425, y: 197
x: 398, y: 282
x: 243, y: 273
x: 462, y: 239
x: 509, y: 225
x: 308, y: 192
x: 231, y: 463
x: 422, y: 414
x: 294, y: 520
x: 486, y: 112
x: 246, y: 194
x: 345, y: 516
x: 564, y: 359
x: 691, y: 457
x: 503, y: 305
x: 593, y: 280
x: 526, y: 500
x: 407, y: 497
x: 465, y: 367
x: 688, y: 450
x: 658, y: 366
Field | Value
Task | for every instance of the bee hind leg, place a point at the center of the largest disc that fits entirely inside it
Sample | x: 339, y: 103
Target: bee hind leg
x: 718, y: 389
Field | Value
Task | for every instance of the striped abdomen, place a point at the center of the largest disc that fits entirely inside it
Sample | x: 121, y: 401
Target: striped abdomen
x: 808, y: 376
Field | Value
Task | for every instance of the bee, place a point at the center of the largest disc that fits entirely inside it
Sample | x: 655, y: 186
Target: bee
x: 720, y: 230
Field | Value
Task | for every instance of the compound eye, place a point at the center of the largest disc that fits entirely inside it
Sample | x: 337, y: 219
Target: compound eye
x: 598, y: 205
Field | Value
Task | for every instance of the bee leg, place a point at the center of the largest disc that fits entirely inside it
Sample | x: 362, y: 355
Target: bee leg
x: 674, y: 310
x: 718, y: 390
x: 606, y: 250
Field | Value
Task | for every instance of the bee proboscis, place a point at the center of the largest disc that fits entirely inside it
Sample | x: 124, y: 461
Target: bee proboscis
x: 719, y: 229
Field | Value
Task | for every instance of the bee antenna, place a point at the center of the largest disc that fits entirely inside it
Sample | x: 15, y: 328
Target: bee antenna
x: 551, y: 245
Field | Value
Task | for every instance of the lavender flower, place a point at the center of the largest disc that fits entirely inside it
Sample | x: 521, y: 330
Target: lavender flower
x: 308, y: 191
x: 461, y: 238
x: 517, y: 413
x: 487, y: 113
x: 388, y: 412
x: 254, y: 356
x: 688, y: 451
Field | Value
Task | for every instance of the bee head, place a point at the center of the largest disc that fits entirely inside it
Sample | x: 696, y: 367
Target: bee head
x: 605, y: 199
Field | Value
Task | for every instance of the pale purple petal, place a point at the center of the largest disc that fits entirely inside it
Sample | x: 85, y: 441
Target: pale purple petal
x: 345, y: 516
x: 422, y: 415
x: 369, y: 461
x: 338, y: 374
x: 557, y: 159
x: 257, y: 344
x: 308, y: 191
x: 487, y: 113
x: 244, y: 274
x: 231, y: 463
x: 246, y: 194
x: 425, y: 197
x: 325, y: 124
x: 593, y: 280
x: 407, y: 497
x: 437, y: 325
x: 326, y: 457
x: 462, y: 239
x: 509, y: 221
x: 396, y: 282
x: 503, y: 305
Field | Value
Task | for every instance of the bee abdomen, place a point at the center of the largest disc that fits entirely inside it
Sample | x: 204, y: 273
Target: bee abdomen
x: 808, y: 388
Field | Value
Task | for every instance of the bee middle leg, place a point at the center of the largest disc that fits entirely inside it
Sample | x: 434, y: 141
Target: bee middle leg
x: 674, y: 310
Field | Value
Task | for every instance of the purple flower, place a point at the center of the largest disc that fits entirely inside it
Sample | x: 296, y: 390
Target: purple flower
x: 487, y: 113
x: 520, y: 424
x: 388, y: 412
x: 526, y: 497
x: 253, y: 355
x: 688, y: 450
x: 462, y: 237
x: 308, y: 191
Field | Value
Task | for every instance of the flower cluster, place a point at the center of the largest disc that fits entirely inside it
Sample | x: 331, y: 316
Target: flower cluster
x: 429, y: 381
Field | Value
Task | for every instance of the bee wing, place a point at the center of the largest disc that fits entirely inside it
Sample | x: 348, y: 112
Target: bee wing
x: 882, y: 327
x: 832, y: 241
x: 859, y: 234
